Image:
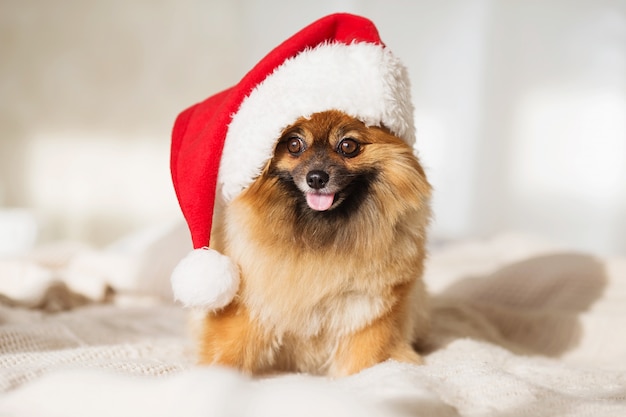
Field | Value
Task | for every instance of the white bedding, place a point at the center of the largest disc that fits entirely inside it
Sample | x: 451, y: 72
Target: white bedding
x: 521, y: 328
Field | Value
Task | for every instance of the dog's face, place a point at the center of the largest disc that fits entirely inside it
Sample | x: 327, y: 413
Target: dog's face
x: 327, y: 161
x: 315, y: 156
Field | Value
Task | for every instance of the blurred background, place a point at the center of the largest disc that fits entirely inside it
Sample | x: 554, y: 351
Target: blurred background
x: 520, y: 109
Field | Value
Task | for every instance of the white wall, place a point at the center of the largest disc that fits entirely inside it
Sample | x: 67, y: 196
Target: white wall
x: 89, y: 92
x: 521, y: 106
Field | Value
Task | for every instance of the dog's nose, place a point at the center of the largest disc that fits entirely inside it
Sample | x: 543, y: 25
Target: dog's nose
x: 317, y: 179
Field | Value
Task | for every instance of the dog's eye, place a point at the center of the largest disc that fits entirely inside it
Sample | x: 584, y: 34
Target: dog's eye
x: 349, y: 147
x: 295, y: 146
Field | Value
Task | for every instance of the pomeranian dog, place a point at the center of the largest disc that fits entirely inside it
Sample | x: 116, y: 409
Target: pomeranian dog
x: 330, y: 242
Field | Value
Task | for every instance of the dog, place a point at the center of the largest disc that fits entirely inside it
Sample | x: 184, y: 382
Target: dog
x: 330, y: 243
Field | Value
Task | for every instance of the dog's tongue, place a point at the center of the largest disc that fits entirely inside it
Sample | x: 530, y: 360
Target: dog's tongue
x: 320, y: 202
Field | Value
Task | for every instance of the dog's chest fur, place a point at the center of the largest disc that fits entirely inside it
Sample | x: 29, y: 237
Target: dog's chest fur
x: 299, y: 291
x: 301, y: 294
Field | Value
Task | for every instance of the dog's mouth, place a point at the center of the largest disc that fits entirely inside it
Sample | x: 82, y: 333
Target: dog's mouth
x: 320, y: 201
x: 341, y: 194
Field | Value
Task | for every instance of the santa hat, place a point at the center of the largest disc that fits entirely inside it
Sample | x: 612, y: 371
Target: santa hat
x: 220, y: 145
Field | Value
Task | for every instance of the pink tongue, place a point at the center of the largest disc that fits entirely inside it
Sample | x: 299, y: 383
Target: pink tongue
x: 320, y: 202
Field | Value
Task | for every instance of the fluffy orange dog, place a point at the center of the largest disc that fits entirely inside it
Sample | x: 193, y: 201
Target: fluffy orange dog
x: 329, y: 240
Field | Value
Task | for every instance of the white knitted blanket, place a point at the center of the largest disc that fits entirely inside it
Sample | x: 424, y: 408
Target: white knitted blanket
x: 521, y: 328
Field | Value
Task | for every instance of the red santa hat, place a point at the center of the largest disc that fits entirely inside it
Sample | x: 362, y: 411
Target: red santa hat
x: 220, y: 145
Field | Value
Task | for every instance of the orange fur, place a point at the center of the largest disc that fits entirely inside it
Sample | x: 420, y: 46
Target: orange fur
x: 326, y: 293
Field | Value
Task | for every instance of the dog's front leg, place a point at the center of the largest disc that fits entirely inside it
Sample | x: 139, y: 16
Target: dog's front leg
x: 375, y: 343
x: 231, y: 338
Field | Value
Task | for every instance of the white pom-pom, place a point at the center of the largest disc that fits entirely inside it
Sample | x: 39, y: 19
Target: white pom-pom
x: 205, y: 278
